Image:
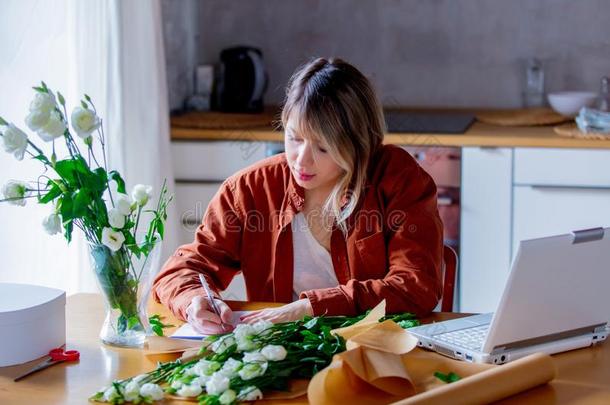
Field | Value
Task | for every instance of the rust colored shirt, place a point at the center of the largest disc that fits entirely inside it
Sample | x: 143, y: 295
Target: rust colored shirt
x: 392, y: 250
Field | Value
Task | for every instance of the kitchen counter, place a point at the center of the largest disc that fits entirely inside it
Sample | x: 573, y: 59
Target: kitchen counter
x: 187, y: 128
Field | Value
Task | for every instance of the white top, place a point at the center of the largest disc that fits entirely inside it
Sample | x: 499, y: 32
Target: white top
x: 313, y: 265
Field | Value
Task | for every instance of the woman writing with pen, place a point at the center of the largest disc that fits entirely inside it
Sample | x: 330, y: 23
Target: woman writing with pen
x: 332, y: 226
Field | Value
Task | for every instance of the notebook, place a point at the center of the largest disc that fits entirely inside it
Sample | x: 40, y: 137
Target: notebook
x: 556, y: 299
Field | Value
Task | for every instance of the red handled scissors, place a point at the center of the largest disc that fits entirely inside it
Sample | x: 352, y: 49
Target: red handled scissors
x: 55, y: 356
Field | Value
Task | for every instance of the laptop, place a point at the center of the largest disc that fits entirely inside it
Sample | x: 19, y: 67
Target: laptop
x: 556, y: 299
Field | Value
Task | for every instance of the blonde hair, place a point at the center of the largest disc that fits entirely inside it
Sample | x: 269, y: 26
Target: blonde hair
x: 329, y: 100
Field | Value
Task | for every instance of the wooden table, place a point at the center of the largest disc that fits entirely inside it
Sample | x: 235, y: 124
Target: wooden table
x: 583, y: 375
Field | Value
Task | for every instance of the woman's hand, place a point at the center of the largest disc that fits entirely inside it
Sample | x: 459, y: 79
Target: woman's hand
x: 286, y: 313
x: 204, y: 320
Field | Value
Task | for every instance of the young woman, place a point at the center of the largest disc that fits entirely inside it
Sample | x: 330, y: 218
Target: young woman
x: 332, y: 226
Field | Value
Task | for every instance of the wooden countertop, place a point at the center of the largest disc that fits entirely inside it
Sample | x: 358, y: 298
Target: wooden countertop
x: 186, y: 128
x: 582, y: 375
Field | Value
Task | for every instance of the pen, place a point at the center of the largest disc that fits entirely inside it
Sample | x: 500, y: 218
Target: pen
x: 210, y: 297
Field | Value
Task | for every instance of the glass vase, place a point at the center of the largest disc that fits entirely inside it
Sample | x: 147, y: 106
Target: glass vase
x: 125, y: 279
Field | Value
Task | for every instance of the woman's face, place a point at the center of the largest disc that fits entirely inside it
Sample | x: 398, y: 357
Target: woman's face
x: 310, y: 162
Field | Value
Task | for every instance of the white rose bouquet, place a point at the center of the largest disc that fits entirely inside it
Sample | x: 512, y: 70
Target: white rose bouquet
x: 242, y: 365
x: 79, y: 193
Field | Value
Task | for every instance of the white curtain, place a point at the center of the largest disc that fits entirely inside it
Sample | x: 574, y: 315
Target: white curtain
x: 111, y: 50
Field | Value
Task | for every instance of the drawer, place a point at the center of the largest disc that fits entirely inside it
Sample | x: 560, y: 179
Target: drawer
x: 215, y: 161
x: 545, y: 211
x: 191, y: 202
x: 562, y: 167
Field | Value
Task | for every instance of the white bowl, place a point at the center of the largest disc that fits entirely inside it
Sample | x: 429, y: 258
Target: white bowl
x: 568, y: 103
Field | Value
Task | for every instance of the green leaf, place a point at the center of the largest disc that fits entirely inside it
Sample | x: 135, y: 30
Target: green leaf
x: 83, y: 104
x: 61, y: 99
x: 66, y: 207
x: 132, y: 321
x: 81, y: 200
x: 44, y: 86
x: 50, y: 195
x: 87, y: 98
x: 3, y: 122
x: 39, y: 89
x: 120, y: 183
x: 448, y: 378
x: 158, y: 330
x: 68, y: 230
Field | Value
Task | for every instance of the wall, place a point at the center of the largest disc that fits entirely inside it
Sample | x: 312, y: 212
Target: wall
x: 430, y: 53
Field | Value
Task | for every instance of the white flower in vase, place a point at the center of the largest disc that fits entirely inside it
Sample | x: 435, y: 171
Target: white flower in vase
x: 14, y: 141
x: 44, y: 102
x: 54, y: 128
x: 112, y: 239
x: 123, y: 204
x: 37, y: 119
x: 116, y: 218
x: 15, y: 192
x: 84, y: 122
x: 141, y: 194
x: 52, y: 224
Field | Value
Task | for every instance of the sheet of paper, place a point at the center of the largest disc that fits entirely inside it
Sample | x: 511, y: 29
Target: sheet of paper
x: 186, y: 331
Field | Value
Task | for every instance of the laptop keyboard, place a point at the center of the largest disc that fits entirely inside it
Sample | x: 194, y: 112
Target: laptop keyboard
x: 470, y: 338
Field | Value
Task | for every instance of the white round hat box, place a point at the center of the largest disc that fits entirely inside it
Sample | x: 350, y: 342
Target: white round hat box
x: 32, y: 322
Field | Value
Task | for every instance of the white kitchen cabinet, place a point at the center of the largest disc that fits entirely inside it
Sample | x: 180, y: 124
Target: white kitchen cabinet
x: 562, y: 167
x: 546, y: 210
x: 485, y: 227
x: 192, y: 200
x: 509, y: 195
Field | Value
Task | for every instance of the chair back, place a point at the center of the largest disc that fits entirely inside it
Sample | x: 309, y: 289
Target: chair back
x: 449, y: 276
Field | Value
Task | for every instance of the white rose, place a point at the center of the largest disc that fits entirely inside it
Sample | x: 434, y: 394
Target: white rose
x: 43, y: 102
x: 14, y: 141
x: 116, y: 219
x: 139, y: 378
x: 191, y: 390
x: 54, y: 128
x: 37, y: 119
x: 52, y: 224
x: 244, y: 334
x: 231, y: 367
x: 216, y: 385
x: 253, y: 357
x: 152, y: 391
x: 206, y: 367
x: 84, y: 122
x: 227, y: 397
x: 177, y: 385
x: 123, y: 204
x: 252, y: 370
x: 262, y: 326
x: 250, y: 394
x: 201, y: 380
x: 141, y: 194
x: 132, y: 391
x: 15, y: 191
x: 112, y: 239
x: 111, y: 394
x: 274, y: 352
x: 222, y: 344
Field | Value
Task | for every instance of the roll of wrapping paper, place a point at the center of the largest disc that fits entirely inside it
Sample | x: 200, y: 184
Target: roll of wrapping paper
x: 491, y: 385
